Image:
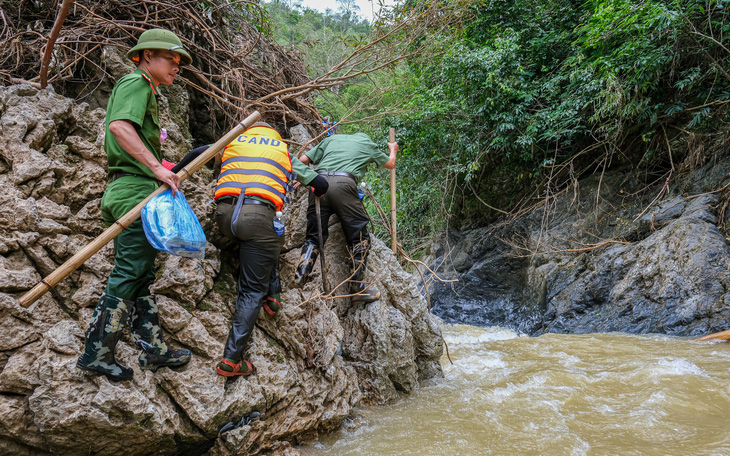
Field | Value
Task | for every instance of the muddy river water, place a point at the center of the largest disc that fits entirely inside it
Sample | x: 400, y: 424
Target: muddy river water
x: 597, y: 394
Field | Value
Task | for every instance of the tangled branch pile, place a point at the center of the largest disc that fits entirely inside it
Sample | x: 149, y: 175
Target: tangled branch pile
x: 234, y: 61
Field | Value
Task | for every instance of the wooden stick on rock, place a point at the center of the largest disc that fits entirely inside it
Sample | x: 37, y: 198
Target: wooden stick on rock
x: 723, y: 335
x: 394, y: 235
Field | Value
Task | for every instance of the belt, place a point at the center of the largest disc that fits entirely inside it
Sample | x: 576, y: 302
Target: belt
x: 116, y: 176
x: 120, y: 174
x: 232, y: 200
x: 337, y: 173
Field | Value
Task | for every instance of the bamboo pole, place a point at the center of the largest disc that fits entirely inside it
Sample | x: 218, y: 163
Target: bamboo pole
x: 723, y: 335
x: 394, y: 231
x: 110, y: 233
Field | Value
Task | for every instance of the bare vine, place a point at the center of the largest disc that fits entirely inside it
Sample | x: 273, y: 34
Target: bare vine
x: 236, y: 63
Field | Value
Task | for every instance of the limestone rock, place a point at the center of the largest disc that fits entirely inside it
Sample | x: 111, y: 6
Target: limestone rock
x: 314, y: 361
x: 13, y: 278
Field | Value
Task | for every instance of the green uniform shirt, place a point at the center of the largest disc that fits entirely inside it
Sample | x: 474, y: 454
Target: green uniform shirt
x: 133, y: 99
x: 347, y: 154
x: 305, y: 174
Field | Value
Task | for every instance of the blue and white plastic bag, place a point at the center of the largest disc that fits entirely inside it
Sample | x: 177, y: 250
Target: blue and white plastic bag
x: 171, y: 226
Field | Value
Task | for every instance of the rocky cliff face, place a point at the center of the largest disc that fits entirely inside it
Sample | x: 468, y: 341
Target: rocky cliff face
x: 315, y: 360
x: 593, y: 261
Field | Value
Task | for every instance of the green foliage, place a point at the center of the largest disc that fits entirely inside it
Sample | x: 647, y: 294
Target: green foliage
x: 527, y: 84
x: 323, y: 39
x: 519, y: 87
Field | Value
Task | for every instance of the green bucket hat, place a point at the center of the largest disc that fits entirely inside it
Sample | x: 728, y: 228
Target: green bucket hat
x: 160, y: 39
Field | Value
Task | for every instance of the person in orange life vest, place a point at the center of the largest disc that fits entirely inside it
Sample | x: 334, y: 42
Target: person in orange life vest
x: 255, y: 171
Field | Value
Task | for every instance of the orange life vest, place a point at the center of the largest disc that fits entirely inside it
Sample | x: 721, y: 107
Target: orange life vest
x: 256, y: 163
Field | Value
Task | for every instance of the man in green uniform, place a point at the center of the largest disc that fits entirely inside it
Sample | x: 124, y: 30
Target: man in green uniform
x: 343, y: 160
x: 134, y: 153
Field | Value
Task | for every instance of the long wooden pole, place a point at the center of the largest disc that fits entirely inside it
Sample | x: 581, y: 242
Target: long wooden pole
x: 320, y: 240
x: 110, y: 233
x: 394, y: 231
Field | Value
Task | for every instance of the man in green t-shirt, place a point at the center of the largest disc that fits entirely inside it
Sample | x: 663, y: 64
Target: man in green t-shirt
x: 343, y: 160
x: 134, y: 152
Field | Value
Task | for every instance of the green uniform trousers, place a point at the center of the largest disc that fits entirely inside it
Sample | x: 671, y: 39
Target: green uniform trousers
x: 134, y: 257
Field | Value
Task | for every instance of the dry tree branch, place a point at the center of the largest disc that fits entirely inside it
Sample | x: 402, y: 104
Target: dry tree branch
x: 222, y: 69
x: 588, y: 247
x: 662, y: 192
x: 711, y: 39
x: 483, y: 202
x: 52, y: 40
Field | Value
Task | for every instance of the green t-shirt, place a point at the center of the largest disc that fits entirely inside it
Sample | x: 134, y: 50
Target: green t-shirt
x: 133, y: 99
x: 347, y: 154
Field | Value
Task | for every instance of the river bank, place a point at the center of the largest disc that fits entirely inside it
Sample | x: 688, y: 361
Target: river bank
x: 608, y: 253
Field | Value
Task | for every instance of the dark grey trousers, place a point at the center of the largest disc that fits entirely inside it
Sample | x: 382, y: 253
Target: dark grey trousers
x: 259, y: 248
x: 341, y: 200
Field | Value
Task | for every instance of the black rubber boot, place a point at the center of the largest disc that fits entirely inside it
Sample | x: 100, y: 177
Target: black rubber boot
x: 147, y: 334
x: 357, y: 283
x: 105, y: 330
x: 310, y: 251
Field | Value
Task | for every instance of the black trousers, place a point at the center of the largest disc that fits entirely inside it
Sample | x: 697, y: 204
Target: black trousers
x: 341, y: 200
x: 259, y: 247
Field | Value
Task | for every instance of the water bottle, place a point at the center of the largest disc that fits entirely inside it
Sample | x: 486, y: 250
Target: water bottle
x: 361, y: 190
x: 279, y: 223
